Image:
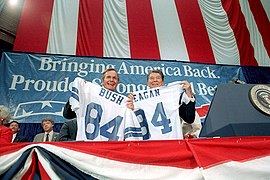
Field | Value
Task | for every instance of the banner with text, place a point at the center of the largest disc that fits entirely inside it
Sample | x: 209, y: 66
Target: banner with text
x: 35, y: 86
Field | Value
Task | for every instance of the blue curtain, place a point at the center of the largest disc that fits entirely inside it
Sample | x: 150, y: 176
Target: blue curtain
x: 257, y: 75
x: 29, y: 130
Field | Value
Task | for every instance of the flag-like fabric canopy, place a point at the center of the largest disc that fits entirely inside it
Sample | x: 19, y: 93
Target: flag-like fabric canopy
x: 217, y: 158
x: 234, y: 32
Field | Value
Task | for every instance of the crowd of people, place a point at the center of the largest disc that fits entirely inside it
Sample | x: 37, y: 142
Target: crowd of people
x: 189, y: 119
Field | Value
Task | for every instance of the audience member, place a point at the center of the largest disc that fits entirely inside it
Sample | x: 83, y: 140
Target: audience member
x: 15, y: 127
x: 5, y: 132
x: 49, y: 134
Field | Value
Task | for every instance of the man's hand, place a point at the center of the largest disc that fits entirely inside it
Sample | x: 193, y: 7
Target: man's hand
x: 187, y: 87
x: 130, y: 104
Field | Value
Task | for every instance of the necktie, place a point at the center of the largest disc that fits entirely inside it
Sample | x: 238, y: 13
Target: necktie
x: 47, y: 137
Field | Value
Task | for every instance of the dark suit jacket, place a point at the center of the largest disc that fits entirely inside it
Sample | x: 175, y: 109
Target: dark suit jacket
x: 67, y: 112
x: 68, y: 131
x: 187, y: 112
x: 20, y: 139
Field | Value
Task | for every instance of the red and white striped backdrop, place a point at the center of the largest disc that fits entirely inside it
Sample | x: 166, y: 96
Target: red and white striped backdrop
x: 235, y: 32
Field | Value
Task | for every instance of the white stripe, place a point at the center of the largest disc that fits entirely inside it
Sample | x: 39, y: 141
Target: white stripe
x: 260, y: 52
x: 266, y: 6
x: 103, y: 168
x: 169, y: 32
x: 25, y: 167
x: 47, y: 165
x: 63, y: 28
x: 116, y: 39
x: 8, y: 160
x: 248, y: 170
x: 220, y: 33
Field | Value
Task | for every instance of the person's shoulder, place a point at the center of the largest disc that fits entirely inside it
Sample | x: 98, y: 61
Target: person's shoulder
x: 2, y: 127
x: 71, y: 122
x: 39, y: 134
x: 21, y: 139
x: 38, y: 137
x: 5, y: 129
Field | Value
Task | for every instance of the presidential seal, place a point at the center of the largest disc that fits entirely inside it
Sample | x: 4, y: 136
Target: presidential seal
x: 260, y: 98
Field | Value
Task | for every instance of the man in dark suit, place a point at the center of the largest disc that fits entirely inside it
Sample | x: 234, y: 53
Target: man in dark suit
x: 15, y: 127
x: 155, y: 79
x: 68, y: 131
x: 187, y: 110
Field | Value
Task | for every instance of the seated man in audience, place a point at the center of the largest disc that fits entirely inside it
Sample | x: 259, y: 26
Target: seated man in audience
x: 5, y: 132
x: 49, y: 135
x: 15, y: 127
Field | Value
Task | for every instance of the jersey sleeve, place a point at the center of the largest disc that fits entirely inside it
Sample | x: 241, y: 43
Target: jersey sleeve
x: 184, y: 99
x: 132, y: 127
x: 75, y: 98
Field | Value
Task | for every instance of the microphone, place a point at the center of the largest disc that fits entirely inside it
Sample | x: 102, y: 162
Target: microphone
x: 237, y: 81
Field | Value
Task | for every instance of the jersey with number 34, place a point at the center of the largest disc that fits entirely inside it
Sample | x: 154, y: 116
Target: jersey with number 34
x: 157, y: 111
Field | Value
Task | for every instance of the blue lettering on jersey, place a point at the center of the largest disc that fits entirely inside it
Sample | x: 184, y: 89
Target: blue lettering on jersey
x: 146, y: 95
x: 110, y: 95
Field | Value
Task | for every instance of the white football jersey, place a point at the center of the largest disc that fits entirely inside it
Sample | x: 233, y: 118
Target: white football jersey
x: 157, y: 111
x: 102, y: 114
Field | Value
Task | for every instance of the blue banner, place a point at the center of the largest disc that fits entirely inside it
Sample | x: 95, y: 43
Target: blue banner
x: 35, y: 86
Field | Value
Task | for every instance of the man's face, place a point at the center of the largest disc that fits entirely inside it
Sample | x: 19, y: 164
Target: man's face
x: 14, y: 127
x: 155, y: 80
x: 47, y: 126
x: 110, y: 80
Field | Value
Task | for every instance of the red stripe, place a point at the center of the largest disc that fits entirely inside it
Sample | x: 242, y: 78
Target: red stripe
x: 213, y: 151
x: 241, y: 33
x: 34, y: 26
x: 11, y: 147
x: 141, y: 28
x: 90, y: 28
x: 186, y: 154
x: 262, y: 22
x: 30, y: 173
x: 203, y: 109
x: 161, y: 153
x: 194, y: 30
x: 42, y: 171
